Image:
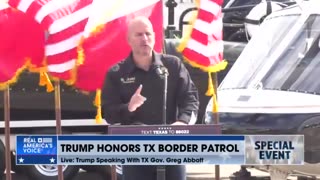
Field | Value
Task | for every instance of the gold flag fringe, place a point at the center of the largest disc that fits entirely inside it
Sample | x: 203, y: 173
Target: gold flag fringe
x: 212, y: 92
x: 215, y: 103
x: 97, y: 103
x: 45, y: 81
x: 14, y: 79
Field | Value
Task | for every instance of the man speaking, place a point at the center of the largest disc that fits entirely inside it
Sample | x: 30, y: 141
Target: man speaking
x: 133, y: 91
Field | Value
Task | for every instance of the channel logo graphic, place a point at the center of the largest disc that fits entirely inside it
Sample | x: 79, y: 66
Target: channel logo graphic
x: 269, y: 150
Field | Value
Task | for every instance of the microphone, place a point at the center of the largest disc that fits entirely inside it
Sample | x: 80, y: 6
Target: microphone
x: 158, y: 70
x: 161, y: 71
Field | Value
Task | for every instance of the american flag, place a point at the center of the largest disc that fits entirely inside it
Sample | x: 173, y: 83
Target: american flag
x: 64, y: 22
x: 203, y: 48
x: 69, y: 25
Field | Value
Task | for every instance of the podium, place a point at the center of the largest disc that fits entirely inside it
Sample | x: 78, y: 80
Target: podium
x: 176, y: 130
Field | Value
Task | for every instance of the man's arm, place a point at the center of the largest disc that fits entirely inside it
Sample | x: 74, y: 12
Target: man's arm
x: 188, y: 98
x: 114, y: 110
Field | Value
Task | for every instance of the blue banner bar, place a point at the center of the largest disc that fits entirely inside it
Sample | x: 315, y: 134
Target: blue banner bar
x: 36, y: 159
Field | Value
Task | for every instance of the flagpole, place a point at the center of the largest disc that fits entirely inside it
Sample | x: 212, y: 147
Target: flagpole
x: 216, y: 119
x: 58, y: 119
x: 7, y: 132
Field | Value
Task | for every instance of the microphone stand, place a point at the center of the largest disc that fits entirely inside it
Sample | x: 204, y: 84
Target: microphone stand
x: 165, y: 90
x: 163, y: 73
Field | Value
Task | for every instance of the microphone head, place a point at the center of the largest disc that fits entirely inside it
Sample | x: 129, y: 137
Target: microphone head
x: 158, y: 70
x: 161, y: 70
x: 164, y: 70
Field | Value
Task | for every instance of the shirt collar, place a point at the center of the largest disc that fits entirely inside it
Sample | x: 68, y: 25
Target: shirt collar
x: 156, y: 61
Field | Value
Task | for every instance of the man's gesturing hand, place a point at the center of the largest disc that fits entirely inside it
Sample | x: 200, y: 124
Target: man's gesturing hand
x: 136, y: 100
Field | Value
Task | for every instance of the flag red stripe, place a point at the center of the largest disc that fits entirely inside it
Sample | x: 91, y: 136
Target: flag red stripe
x: 65, y: 11
x: 67, y: 33
x: 199, y: 36
x: 219, y: 2
x: 35, y: 7
x: 201, y: 59
x: 47, y: 21
x: 205, y: 16
x: 196, y: 57
x: 63, y: 57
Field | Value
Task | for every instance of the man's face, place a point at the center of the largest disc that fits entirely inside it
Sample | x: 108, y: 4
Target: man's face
x: 141, y: 39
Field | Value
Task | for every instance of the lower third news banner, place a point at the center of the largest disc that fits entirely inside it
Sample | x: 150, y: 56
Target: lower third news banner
x: 160, y: 150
